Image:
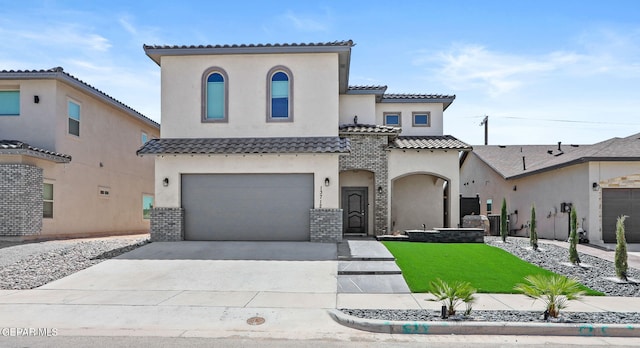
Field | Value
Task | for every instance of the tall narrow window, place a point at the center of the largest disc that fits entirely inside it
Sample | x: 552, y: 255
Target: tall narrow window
x: 74, y: 118
x: 144, y: 138
x: 9, y: 103
x: 147, y: 205
x: 280, y: 95
x: 47, y: 198
x: 214, y: 95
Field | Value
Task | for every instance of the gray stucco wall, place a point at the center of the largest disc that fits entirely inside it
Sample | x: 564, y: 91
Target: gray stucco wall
x: 21, y: 204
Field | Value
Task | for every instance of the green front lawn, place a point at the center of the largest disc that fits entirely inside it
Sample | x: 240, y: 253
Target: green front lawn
x: 488, y: 269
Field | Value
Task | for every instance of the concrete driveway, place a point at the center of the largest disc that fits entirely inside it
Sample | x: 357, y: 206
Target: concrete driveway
x: 293, y: 267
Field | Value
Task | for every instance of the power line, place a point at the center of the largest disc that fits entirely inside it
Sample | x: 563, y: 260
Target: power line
x: 562, y: 120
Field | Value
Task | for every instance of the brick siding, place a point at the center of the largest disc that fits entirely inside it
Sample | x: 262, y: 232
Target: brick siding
x: 21, y: 204
x: 325, y: 225
x: 167, y: 224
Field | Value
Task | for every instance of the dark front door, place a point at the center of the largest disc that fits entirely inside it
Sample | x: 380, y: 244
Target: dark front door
x: 354, y: 206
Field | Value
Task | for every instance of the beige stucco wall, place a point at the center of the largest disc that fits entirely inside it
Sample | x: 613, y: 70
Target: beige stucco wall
x: 361, y: 178
x: 36, y: 123
x: 321, y: 165
x: 416, y: 200
x: 406, y: 110
x: 315, y: 95
x: 362, y: 105
x: 108, y: 136
x: 440, y: 163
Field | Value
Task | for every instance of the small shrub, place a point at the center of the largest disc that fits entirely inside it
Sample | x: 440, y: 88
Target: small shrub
x: 504, y: 226
x: 451, y: 295
x: 533, y: 237
x: 621, y: 249
x: 555, y: 291
x: 573, y: 239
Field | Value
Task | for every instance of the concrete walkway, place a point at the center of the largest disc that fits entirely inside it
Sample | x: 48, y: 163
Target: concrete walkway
x: 143, y: 293
x: 633, y: 257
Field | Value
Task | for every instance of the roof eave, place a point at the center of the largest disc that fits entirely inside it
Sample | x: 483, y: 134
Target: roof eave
x: 571, y: 163
x: 445, y: 101
x: 36, y: 154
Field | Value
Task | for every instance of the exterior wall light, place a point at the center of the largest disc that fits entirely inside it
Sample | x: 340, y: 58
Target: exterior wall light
x: 379, y: 189
x: 326, y: 181
x: 595, y: 186
x: 165, y: 182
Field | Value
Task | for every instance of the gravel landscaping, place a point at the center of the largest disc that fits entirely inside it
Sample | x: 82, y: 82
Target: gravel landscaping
x: 30, y: 265
x: 551, y: 258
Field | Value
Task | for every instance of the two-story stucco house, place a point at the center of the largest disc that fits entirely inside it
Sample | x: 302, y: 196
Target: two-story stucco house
x: 599, y: 181
x: 269, y: 142
x: 67, y: 159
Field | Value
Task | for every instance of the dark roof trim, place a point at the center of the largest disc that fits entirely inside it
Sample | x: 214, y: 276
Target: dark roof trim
x: 419, y: 98
x: 368, y: 129
x: 378, y: 91
x: 59, y: 74
x: 156, y: 51
x: 208, y: 146
x: 15, y: 147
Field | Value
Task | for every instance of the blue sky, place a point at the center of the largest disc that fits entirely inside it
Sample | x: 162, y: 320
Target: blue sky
x: 543, y: 71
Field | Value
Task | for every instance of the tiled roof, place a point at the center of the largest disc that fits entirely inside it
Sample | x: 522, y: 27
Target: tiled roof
x: 417, y: 96
x: 245, y: 145
x: 59, y: 73
x: 15, y: 147
x: 310, y: 44
x: 368, y: 88
x: 441, y: 142
x: 508, y: 160
x: 368, y: 128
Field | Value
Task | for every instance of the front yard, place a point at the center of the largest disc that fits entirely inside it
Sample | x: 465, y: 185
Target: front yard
x: 487, y: 268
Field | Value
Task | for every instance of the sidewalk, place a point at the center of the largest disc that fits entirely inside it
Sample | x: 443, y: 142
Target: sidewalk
x: 633, y: 258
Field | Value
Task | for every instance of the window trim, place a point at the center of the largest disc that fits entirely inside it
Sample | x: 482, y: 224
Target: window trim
x: 52, y: 200
x: 273, y: 71
x: 70, y: 100
x: 104, y: 191
x: 205, y: 76
x: 420, y: 113
x: 19, y: 98
x: 392, y: 113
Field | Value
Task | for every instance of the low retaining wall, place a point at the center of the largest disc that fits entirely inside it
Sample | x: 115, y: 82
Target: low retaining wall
x: 447, y: 235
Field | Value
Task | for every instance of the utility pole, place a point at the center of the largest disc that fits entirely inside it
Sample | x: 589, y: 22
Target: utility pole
x: 485, y: 123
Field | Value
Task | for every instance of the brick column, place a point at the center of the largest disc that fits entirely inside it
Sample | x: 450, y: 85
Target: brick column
x: 167, y: 224
x: 21, y: 204
x: 325, y: 225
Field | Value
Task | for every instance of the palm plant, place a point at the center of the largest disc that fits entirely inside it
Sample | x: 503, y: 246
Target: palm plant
x: 573, y: 240
x: 555, y: 291
x: 621, y: 249
x: 533, y: 237
x: 451, y: 295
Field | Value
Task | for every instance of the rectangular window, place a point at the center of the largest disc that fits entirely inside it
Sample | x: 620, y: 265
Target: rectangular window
x: 103, y: 191
x: 147, y: 205
x: 392, y: 118
x: 74, y: 118
x: 489, y: 205
x: 144, y: 138
x: 47, y: 197
x: 421, y: 119
x: 9, y: 103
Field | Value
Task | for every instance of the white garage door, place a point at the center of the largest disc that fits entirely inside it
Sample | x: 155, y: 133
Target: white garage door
x: 269, y: 207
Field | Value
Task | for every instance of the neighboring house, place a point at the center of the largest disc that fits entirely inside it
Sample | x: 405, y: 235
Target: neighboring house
x: 67, y: 159
x: 600, y: 181
x: 269, y: 142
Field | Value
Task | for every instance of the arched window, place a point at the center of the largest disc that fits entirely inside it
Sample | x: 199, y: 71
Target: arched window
x: 280, y: 90
x: 214, y: 96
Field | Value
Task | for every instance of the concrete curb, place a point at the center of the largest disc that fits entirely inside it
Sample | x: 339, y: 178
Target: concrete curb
x: 484, y: 328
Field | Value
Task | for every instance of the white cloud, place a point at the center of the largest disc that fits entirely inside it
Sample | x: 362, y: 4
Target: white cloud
x: 308, y: 23
x: 475, y: 67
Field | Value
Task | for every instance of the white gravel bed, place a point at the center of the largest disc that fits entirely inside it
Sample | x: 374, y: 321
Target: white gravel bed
x: 30, y: 265
x: 552, y: 257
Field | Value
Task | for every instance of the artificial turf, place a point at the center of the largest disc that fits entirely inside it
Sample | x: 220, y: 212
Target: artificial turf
x: 487, y: 268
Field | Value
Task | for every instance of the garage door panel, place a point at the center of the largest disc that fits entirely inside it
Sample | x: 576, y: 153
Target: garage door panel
x: 247, y: 206
x: 617, y: 202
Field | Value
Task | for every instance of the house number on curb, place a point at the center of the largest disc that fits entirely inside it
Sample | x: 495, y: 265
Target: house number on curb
x: 255, y: 321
